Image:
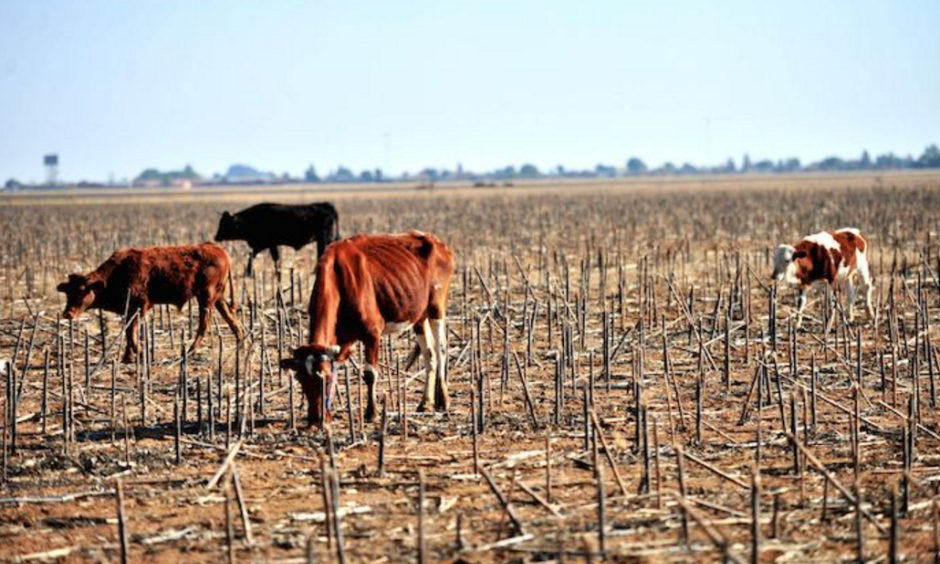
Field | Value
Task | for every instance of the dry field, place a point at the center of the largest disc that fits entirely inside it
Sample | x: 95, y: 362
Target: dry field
x: 622, y: 373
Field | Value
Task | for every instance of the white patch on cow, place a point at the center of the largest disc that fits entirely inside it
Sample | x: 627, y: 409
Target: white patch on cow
x: 851, y: 230
x: 842, y: 272
x: 824, y: 239
x: 310, y: 362
x: 425, y: 342
x: 4, y: 367
x: 790, y: 276
x: 861, y: 264
x: 439, y: 330
x: 417, y: 233
x: 369, y: 368
x: 397, y: 327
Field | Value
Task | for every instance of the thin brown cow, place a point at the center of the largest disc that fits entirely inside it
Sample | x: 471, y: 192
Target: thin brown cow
x: 368, y: 286
x: 134, y: 280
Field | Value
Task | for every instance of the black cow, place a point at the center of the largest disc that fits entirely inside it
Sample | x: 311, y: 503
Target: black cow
x: 265, y: 226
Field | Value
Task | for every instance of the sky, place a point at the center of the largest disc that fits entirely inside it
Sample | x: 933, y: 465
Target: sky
x: 114, y: 87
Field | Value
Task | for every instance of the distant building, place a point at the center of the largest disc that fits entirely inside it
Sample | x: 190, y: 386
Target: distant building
x: 244, y: 174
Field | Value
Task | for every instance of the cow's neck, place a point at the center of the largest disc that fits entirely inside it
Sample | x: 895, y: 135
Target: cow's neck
x: 103, y: 272
x: 323, y: 320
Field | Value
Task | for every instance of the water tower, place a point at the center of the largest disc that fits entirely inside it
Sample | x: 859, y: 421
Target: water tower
x: 52, y: 168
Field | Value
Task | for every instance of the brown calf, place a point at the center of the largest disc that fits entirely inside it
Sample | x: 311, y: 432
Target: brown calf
x: 368, y: 286
x: 137, y: 279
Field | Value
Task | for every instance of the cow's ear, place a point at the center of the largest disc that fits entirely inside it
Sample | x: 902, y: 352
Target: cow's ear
x: 289, y: 364
x: 63, y: 287
x: 226, y: 216
x: 799, y: 255
x: 96, y: 286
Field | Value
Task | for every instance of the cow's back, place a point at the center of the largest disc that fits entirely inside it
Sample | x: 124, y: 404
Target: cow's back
x: 395, y: 274
x: 169, y: 275
x: 267, y: 225
x: 850, y: 240
x: 400, y: 265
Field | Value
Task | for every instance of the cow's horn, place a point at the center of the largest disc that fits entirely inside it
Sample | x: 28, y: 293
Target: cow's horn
x: 333, y: 351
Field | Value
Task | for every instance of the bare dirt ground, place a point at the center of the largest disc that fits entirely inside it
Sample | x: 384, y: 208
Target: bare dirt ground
x: 568, y: 291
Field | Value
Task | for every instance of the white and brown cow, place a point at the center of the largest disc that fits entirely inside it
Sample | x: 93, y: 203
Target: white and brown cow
x: 836, y: 258
x: 368, y: 286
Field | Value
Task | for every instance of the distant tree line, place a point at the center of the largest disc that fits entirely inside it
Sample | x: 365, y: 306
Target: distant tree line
x: 167, y: 178
x: 343, y: 174
x: 634, y: 166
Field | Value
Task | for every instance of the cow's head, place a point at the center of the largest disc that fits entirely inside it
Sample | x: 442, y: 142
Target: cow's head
x: 313, y: 365
x: 788, y: 264
x: 228, y: 228
x: 80, y: 293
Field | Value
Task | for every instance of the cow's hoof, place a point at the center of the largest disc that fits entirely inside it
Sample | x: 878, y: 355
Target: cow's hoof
x: 442, y: 407
x: 129, y: 359
x: 422, y: 407
x: 309, y: 427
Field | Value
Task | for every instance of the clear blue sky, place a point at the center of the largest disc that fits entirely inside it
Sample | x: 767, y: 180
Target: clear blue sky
x: 118, y: 86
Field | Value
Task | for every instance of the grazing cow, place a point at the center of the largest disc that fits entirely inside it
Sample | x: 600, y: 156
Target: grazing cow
x: 137, y: 279
x: 265, y: 226
x: 836, y: 258
x: 368, y: 286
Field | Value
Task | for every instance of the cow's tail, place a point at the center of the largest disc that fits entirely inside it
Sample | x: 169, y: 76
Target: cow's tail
x: 336, y: 234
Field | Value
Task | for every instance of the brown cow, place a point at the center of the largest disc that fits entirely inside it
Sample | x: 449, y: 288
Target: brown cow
x: 368, y: 286
x: 137, y: 279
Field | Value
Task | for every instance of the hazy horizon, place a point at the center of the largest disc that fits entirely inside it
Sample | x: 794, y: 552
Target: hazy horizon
x: 114, y: 88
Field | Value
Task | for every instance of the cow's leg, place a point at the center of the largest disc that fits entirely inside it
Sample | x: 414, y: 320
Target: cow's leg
x: 850, y: 299
x: 132, y: 348
x: 251, y: 258
x: 229, y: 316
x: 800, y: 306
x: 371, y: 372
x: 833, y: 307
x: 276, y: 256
x: 866, y: 286
x: 439, y: 335
x: 868, y: 307
x: 425, y: 339
x: 205, y: 315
